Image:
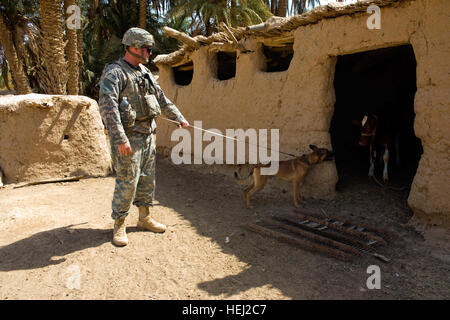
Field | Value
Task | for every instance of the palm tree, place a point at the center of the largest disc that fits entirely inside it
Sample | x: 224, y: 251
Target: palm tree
x: 142, y: 13
x: 164, y: 43
x: 80, y: 49
x: 106, y: 23
x: 71, y: 53
x: 18, y: 74
x: 4, y: 71
x: 300, y: 6
x: 254, y: 12
x: 273, y: 6
x: 211, y: 12
x: 53, y: 46
x: 282, y: 8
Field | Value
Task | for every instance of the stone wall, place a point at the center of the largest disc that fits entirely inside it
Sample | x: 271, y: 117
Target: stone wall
x: 300, y: 101
x: 44, y: 137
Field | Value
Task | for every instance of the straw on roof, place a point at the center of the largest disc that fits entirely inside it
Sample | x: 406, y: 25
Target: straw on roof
x: 275, y: 31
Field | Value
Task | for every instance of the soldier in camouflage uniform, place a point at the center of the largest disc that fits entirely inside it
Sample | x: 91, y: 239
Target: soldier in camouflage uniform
x: 130, y: 100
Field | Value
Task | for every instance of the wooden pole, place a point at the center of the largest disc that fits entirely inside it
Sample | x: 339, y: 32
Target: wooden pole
x: 299, y: 242
x: 368, y: 236
x: 343, y: 238
x: 220, y: 46
x: 233, y: 38
x: 389, y: 234
x: 313, y: 236
x: 181, y: 36
x: 48, y: 181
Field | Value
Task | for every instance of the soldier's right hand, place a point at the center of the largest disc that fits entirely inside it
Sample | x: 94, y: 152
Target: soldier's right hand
x: 125, y: 149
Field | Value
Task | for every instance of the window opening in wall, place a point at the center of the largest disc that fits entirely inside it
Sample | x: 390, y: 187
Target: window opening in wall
x: 278, y: 58
x: 226, y: 65
x: 183, y: 74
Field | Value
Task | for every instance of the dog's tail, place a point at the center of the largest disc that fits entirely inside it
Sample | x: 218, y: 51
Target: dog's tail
x: 243, y: 181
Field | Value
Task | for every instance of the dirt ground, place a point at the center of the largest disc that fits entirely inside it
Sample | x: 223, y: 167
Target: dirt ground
x: 56, y: 244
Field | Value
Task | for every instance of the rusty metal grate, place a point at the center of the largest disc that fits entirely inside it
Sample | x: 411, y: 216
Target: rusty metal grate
x: 333, y: 237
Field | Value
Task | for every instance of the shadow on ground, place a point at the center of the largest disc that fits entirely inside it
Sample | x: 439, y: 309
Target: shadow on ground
x: 43, y: 249
x: 213, y: 205
x: 217, y: 211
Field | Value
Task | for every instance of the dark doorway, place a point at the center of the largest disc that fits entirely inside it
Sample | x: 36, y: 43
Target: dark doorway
x: 365, y: 83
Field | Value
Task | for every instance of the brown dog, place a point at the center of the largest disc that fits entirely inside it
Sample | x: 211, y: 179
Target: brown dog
x: 291, y: 170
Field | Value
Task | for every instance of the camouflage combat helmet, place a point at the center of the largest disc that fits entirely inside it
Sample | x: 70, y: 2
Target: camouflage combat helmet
x: 137, y: 37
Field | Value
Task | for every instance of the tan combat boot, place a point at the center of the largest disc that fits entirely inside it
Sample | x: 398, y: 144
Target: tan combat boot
x: 120, y: 235
x: 147, y: 223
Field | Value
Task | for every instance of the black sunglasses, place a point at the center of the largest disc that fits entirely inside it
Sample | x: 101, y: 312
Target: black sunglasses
x: 149, y: 49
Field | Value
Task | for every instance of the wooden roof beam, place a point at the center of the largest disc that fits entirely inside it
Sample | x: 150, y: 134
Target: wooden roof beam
x: 182, y: 37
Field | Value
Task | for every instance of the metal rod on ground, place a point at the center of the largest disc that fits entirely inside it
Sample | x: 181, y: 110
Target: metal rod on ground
x: 70, y: 179
x: 298, y: 242
x: 359, y: 247
x: 368, y: 236
x: 388, y: 234
x: 358, y: 244
x: 313, y: 236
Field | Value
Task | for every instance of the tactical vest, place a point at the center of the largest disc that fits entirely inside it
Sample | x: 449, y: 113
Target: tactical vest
x: 140, y: 92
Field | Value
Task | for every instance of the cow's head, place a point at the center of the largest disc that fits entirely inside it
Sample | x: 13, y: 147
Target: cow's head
x: 368, y: 127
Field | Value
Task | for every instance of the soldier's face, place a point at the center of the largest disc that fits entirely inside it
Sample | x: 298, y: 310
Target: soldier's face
x: 145, y: 53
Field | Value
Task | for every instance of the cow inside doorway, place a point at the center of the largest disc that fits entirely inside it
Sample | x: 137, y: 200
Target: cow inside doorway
x: 375, y: 88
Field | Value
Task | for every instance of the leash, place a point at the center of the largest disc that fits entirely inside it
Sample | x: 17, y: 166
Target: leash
x: 231, y: 138
x: 288, y: 154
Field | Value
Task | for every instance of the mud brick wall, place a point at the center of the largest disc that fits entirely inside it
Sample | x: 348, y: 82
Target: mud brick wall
x: 44, y: 137
x: 300, y: 101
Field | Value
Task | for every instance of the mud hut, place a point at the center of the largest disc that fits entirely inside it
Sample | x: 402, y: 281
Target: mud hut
x: 311, y: 75
x: 48, y: 137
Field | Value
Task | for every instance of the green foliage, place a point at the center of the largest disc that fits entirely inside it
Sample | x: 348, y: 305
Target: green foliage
x: 15, y: 11
x: 2, y: 82
x: 102, y: 38
x: 206, y: 15
x: 105, y: 21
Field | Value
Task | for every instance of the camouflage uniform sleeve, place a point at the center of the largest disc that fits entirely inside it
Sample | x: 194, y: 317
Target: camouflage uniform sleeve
x: 111, y: 83
x: 167, y: 106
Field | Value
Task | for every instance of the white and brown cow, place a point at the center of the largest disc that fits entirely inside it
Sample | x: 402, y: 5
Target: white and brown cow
x: 378, y: 132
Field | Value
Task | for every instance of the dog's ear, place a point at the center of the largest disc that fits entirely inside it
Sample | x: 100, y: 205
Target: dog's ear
x: 313, y: 147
